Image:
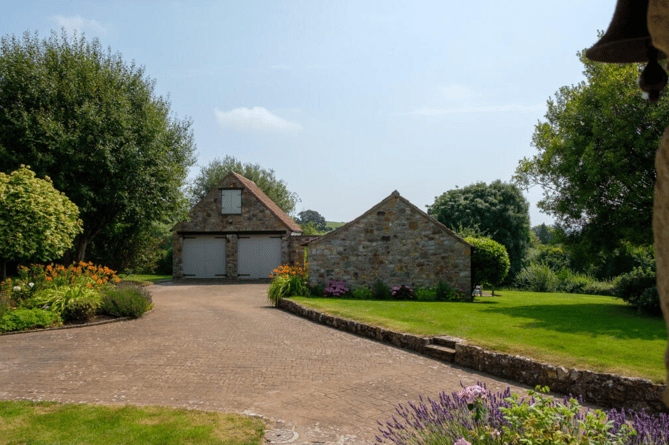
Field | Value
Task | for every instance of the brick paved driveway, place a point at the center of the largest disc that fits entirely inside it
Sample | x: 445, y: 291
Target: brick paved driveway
x: 221, y: 347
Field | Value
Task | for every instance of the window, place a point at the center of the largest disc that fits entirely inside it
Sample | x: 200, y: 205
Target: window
x: 231, y: 202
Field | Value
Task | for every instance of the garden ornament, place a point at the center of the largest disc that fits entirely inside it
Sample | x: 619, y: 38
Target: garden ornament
x: 628, y: 40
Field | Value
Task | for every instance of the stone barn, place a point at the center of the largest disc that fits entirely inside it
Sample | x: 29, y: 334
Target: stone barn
x: 394, y: 242
x: 235, y: 232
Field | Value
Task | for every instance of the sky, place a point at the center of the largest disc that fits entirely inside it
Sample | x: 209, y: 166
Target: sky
x: 348, y: 101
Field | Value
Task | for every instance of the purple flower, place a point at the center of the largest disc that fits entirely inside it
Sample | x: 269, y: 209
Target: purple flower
x: 462, y: 441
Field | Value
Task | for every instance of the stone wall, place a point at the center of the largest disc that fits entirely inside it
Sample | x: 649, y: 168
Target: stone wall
x: 206, y: 218
x: 298, y: 247
x: 394, y: 242
x: 608, y: 390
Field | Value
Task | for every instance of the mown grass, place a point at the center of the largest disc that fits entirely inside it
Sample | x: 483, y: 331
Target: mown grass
x: 39, y: 423
x: 584, y: 331
x: 144, y: 279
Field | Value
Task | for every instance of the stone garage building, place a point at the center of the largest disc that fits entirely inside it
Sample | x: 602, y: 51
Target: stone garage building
x: 394, y: 242
x: 236, y: 232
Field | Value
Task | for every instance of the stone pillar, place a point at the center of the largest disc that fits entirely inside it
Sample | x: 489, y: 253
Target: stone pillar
x: 658, y: 25
x: 231, y: 257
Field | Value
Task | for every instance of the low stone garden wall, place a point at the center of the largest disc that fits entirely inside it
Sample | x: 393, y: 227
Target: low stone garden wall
x: 608, y: 390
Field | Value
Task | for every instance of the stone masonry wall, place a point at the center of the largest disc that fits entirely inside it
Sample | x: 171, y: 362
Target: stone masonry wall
x: 206, y: 217
x: 298, y: 247
x: 608, y: 390
x: 395, y: 243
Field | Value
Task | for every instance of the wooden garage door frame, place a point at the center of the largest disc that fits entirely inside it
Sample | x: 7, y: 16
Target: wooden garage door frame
x: 202, y: 258
x: 255, y: 260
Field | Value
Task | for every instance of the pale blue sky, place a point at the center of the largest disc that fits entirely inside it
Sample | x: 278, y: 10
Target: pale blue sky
x: 349, y: 100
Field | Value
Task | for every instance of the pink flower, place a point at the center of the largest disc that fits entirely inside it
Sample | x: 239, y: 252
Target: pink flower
x: 462, y: 441
x: 472, y: 393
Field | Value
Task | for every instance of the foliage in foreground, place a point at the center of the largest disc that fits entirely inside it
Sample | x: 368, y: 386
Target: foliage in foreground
x: 288, y: 281
x: 490, y: 262
x: 47, y: 296
x: 37, y: 222
x: 126, y: 300
x: 78, y: 424
x: 80, y: 114
x: 476, y: 416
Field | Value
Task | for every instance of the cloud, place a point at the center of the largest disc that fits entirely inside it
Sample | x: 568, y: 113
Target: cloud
x: 480, y: 109
x: 256, y: 118
x: 81, y: 25
x: 456, y: 92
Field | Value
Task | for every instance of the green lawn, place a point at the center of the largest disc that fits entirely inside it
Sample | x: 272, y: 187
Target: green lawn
x: 583, y: 331
x: 53, y: 423
x: 144, y: 279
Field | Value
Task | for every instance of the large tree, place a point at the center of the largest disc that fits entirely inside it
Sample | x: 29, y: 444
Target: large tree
x: 312, y: 217
x: 212, y: 173
x: 595, y: 159
x: 498, y: 211
x: 37, y: 222
x: 94, y: 124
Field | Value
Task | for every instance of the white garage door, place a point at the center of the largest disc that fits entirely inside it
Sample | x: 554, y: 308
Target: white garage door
x: 204, y: 257
x: 258, y: 256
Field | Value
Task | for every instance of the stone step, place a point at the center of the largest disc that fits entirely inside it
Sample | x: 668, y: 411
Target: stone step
x: 447, y: 341
x: 440, y: 352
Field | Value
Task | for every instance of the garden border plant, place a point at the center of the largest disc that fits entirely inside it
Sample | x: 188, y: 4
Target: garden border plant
x: 73, y: 294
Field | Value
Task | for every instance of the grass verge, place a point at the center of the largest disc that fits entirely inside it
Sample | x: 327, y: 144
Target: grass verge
x: 144, y: 279
x: 53, y: 423
x: 583, y: 331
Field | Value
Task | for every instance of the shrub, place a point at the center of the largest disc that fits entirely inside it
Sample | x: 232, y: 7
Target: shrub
x: 537, y: 278
x: 573, y: 283
x: 601, y: 288
x: 633, y: 285
x: 22, y: 319
x: 476, y: 416
x: 126, y: 300
x: 60, y: 298
x: 382, y: 291
x: 402, y: 292
x: 425, y: 294
x: 490, y: 262
x: 363, y: 293
x: 288, y: 281
x: 81, y: 310
x: 316, y: 290
x: 335, y: 289
x: 444, y: 292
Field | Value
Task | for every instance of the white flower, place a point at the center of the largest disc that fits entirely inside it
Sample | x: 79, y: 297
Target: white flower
x: 31, y: 284
x: 17, y: 288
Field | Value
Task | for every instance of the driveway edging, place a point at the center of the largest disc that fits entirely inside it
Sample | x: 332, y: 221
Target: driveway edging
x: 609, y: 390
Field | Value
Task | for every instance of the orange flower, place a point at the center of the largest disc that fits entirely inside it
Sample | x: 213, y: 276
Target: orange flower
x: 89, y: 285
x: 118, y: 279
x: 49, y: 278
x: 99, y: 281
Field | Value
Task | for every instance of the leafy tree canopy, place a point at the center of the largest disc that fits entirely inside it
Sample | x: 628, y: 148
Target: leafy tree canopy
x: 212, y: 173
x: 499, y: 210
x: 37, y: 222
x: 595, y: 160
x: 490, y: 262
x: 92, y: 123
x: 313, y: 217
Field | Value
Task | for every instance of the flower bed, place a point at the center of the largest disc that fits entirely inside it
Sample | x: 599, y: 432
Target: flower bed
x: 476, y: 416
x: 49, y: 296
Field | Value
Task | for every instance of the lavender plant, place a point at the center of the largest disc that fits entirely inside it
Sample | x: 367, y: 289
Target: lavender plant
x: 402, y: 292
x: 476, y: 416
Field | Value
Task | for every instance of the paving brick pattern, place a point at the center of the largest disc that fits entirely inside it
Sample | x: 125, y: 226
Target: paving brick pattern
x: 222, y: 347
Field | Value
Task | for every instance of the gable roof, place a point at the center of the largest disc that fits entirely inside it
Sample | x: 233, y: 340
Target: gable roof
x: 267, y: 201
x: 394, y: 194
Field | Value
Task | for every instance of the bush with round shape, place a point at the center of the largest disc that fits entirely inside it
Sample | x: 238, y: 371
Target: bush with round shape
x: 126, y: 300
x: 490, y: 262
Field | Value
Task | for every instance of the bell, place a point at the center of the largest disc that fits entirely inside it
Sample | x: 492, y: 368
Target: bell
x: 627, y: 40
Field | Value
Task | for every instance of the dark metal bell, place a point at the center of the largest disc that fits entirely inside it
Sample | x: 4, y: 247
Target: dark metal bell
x: 627, y: 40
